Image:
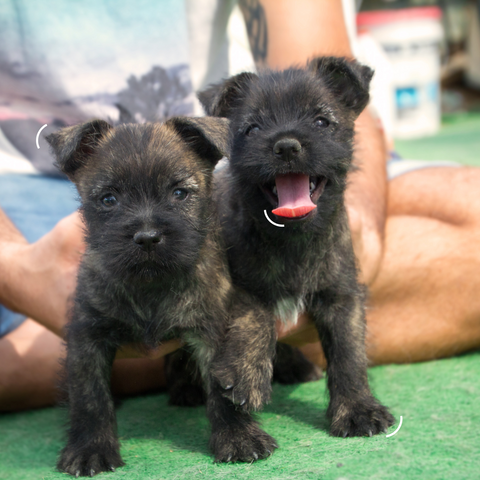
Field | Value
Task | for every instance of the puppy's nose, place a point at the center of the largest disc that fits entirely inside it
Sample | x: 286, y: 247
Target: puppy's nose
x: 148, y: 239
x: 286, y: 148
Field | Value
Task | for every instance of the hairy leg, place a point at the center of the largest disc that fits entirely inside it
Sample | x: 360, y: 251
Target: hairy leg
x: 184, y: 381
x: 425, y: 301
x: 340, y: 320
x: 92, y: 446
x: 29, y: 368
x: 243, y: 366
x: 236, y: 434
x: 448, y: 194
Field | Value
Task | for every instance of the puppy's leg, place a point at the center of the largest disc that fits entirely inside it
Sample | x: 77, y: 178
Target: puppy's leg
x: 184, y: 382
x: 243, y: 366
x: 92, y: 445
x: 236, y: 435
x: 290, y: 366
x: 353, y: 410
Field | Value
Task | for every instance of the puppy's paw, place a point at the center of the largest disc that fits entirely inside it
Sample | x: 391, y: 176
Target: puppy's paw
x: 291, y: 366
x: 250, y: 398
x: 89, y: 460
x: 242, y: 444
x: 186, y: 395
x: 361, y: 418
x: 249, y: 390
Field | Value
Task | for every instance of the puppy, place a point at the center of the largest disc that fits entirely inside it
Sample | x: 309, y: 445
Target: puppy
x: 281, y: 201
x: 154, y: 269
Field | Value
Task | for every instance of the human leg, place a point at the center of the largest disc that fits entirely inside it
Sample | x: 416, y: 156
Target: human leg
x: 34, y: 204
x: 450, y: 195
x: 30, y: 366
x: 424, y: 302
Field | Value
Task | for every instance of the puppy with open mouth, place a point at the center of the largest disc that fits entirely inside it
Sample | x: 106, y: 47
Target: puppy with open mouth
x: 291, y: 150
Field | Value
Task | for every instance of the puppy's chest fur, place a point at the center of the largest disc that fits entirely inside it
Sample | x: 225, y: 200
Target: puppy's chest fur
x: 284, y: 272
x: 153, y: 313
x: 288, y: 283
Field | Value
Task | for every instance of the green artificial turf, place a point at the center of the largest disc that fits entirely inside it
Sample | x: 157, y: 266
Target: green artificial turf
x: 439, y: 402
x: 458, y: 140
x: 439, y: 438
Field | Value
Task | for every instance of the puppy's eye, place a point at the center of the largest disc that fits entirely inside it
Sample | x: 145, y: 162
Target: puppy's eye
x: 180, y: 194
x: 252, y: 130
x: 109, y: 200
x: 321, y: 122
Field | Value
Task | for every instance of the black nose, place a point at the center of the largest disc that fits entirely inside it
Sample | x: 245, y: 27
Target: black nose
x: 286, y: 148
x: 147, y: 240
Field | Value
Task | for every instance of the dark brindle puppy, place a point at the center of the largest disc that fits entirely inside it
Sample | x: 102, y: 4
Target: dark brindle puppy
x: 154, y: 269
x: 282, y: 210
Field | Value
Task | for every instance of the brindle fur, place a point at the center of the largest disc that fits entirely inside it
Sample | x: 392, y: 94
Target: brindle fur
x: 307, y: 264
x: 176, y: 287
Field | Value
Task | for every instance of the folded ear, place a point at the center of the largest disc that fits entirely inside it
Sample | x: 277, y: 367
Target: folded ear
x: 219, y: 99
x: 73, y: 145
x: 207, y: 136
x: 347, y: 79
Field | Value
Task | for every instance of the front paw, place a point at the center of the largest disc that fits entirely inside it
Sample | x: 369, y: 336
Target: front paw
x: 248, y: 387
x: 360, y: 418
x: 245, y: 443
x: 88, y: 460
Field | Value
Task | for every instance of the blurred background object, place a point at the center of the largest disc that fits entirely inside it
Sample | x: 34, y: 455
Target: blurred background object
x: 427, y: 60
x: 410, y: 38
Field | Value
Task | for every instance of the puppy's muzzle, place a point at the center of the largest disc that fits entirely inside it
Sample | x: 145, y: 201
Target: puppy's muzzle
x: 286, y: 148
x: 148, y: 239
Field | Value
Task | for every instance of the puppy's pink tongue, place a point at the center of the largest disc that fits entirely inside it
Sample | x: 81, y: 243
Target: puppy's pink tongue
x: 293, y: 191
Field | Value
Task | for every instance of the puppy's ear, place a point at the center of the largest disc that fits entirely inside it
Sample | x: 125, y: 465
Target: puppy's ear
x: 73, y: 145
x: 219, y: 99
x: 207, y: 136
x: 347, y: 79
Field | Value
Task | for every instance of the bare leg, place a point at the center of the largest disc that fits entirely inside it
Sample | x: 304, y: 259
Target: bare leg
x: 425, y: 301
x: 447, y: 194
x: 29, y: 367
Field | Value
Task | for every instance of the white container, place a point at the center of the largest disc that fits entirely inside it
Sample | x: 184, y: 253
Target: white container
x: 410, y: 38
x: 369, y: 52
